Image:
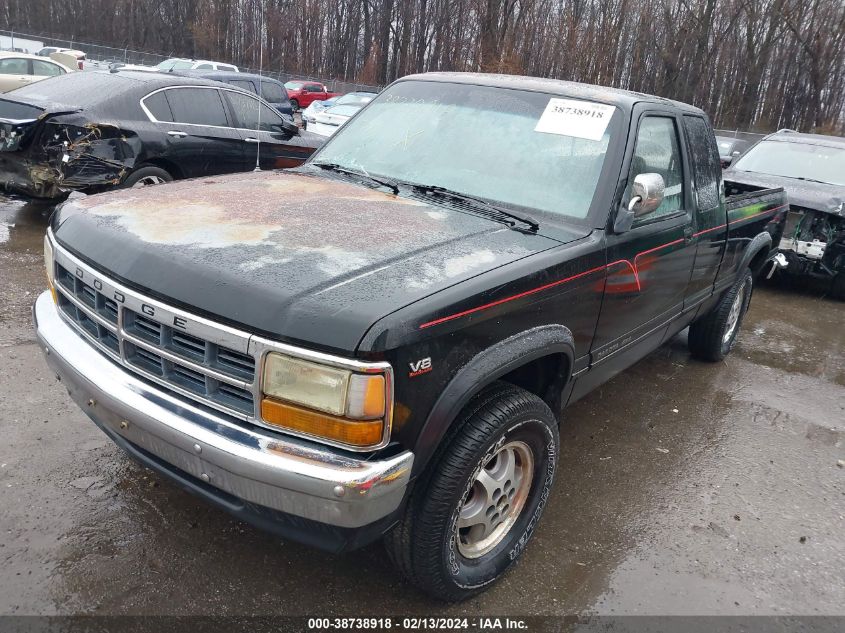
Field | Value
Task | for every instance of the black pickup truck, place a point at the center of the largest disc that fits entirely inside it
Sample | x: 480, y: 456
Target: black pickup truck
x: 381, y: 342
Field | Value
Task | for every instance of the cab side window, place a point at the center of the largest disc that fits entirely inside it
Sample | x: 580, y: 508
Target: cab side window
x: 658, y: 152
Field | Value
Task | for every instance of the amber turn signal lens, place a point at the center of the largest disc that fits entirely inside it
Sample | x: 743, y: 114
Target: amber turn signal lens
x: 351, y: 432
x: 366, y: 397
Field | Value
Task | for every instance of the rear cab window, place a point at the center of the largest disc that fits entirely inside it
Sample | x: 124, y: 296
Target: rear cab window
x: 706, y: 167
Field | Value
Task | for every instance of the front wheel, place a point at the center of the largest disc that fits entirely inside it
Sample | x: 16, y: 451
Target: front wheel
x: 294, y: 104
x: 471, y: 518
x: 713, y: 336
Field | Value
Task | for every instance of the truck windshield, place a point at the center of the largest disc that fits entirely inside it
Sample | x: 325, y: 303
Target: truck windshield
x: 796, y: 160
x: 515, y: 148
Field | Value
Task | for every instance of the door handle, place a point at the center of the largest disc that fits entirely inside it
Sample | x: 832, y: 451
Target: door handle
x: 177, y: 134
x: 249, y: 139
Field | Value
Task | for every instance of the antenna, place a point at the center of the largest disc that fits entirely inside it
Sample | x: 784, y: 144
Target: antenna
x: 258, y: 101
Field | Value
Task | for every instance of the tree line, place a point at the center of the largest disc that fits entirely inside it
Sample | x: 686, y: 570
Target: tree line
x: 751, y: 64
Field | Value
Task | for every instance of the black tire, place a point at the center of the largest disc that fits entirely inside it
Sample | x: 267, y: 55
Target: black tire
x: 154, y: 175
x: 294, y: 104
x: 709, y: 337
x: 427, y: 546
x: 837, y: 287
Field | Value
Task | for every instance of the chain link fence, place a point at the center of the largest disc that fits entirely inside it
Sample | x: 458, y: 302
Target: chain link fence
x: 100, y: 57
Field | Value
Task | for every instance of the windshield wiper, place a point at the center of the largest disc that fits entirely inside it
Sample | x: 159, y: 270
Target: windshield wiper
x: 351, y: 172
x: 493, y: 210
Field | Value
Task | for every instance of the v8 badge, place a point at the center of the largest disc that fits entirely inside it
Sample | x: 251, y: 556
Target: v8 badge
x: 422, y: 366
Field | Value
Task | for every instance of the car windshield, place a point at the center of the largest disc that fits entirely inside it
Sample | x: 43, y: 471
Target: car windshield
x: 171, y: 64
x: 293, y: 85
x: 342, y: 110
x: 354, y: 99
x: 511, y: 147
x: 794, y: 159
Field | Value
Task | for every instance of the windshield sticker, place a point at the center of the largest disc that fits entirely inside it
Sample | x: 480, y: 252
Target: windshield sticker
x: 581, y: 119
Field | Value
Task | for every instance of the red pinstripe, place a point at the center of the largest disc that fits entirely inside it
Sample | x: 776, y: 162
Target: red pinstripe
x: 559, y: 282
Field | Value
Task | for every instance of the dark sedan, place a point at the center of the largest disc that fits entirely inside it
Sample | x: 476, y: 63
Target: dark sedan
x: 91, y: 131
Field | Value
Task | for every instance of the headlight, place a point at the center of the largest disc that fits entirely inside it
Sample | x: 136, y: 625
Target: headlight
x: 49, y: 266
x: 332, y: 403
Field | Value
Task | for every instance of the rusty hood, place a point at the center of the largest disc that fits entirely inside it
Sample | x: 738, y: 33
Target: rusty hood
x: 298, y: 257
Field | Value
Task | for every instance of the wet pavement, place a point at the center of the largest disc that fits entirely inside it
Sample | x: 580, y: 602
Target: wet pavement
x: 683, y: 488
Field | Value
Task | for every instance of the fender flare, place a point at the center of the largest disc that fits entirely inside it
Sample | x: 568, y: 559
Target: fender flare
x: 484, y: 368
x: 758, y: 243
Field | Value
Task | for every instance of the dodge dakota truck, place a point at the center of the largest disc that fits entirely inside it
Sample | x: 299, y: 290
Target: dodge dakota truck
x: 381, y: 342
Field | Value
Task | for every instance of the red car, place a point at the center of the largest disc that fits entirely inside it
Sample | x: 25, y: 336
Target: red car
x: 303, y: 93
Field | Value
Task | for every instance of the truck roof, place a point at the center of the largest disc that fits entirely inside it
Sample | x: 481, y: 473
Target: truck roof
x: 612, y: 96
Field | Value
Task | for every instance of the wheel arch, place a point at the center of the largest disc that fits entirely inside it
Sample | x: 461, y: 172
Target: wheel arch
x: 538, y: 360
x: 756, y: 254
x: 162, y: 163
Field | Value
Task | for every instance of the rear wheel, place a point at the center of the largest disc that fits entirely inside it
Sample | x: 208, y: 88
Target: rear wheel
x: 714, y: 336
x: 146, y: 176
x: 470, y: 519
x: 294, y: 104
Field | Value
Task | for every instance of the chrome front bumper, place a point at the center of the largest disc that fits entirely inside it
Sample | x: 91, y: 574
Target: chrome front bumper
x: 284, y: 474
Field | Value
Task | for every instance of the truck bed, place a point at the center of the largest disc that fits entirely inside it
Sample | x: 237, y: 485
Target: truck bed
x: 739, y: 195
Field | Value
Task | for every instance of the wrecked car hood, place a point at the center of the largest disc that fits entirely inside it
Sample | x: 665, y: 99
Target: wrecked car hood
x: 818, y: 196
x: 297, y: 257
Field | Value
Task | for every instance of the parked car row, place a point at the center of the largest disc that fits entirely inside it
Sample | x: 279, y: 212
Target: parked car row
x: 327, y: 121
x: 178, y: 63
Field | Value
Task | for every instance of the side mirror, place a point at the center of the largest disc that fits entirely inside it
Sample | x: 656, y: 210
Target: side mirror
x: 286, y: 127
x: 730, y: 161
x: 646, y: 194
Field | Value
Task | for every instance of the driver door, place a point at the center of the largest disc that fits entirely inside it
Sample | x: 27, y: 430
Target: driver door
x: 649, y: 266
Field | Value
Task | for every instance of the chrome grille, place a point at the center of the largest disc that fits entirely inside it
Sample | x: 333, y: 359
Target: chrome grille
x: 148, y: 339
